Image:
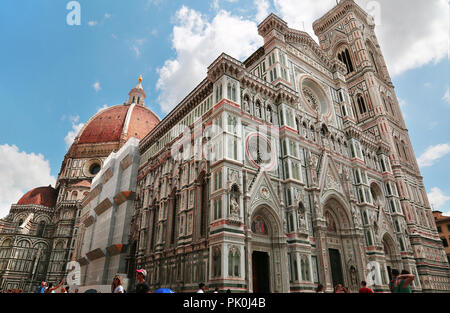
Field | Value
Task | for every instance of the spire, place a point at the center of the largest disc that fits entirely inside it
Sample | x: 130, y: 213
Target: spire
x: 137, y: 94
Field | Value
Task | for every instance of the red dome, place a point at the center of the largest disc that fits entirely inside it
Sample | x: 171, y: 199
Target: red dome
x: 45, y: 196
x: 109, y: 125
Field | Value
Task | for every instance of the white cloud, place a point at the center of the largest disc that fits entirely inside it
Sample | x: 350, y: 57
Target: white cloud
x: 136, y: 46
x: 411, y: 33
x: 107, y: 15
x: 262, y: 9
x: 20, y: 172
x: 104, y: 107
x: 97, y: 86
x: 437, y: 198
x: 92, y: 23
x: 433, y: 154
x: 72, y: 134
x: 198, y: 42
x: 446, y: 97
x: 428, y: 84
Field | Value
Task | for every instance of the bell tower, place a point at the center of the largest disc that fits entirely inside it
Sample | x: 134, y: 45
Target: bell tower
x: 347, y: 34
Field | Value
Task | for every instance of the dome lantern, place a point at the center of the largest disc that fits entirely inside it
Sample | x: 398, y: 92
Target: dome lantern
x: 137, y: 94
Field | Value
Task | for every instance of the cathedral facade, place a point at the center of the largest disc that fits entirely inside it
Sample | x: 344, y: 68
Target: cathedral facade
x: 287, y: 170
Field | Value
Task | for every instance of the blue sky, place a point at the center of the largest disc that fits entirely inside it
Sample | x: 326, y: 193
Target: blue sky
x: 54, y: 77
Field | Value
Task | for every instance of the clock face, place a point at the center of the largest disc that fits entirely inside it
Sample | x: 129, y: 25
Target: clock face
x: 260, y: 152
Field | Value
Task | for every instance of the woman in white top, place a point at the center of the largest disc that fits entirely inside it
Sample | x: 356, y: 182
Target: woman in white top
x: 116, y: 286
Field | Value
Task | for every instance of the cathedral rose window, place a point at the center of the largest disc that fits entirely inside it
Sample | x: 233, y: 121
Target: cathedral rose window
x: 315, y: 96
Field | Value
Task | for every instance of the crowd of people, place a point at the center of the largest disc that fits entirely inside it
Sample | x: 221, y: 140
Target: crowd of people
x: 400, y: 283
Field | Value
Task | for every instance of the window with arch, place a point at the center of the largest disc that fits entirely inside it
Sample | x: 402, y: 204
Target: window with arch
x: 5, y: 251
x: 374, y: 62
x: 216, y: 262
x: 40, y: 229
x: 74, y: 196
x: 218, y: 93
x: 361, y: 104
x: 365, y: 218
x: 293, y: 266
x: 305, y: 268
x: 369, y: 238
x: 344, y: 57
x: 234, y: 258
x: 231, y: 91
x: 402, y: 245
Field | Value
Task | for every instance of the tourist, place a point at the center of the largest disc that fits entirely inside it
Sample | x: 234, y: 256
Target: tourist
x: 364, y: 288
x: 228, y: 291
x: 216, y: 290
x: 76, y: 290
x: 116, y: 286
x: 320, y: 289
x: 142, y: 286
x: 339, y: 289
x: 395, y: 274
x: 52, y: 289
x: 403, y: 281
x: 42, y: 287
x: 202, y: 288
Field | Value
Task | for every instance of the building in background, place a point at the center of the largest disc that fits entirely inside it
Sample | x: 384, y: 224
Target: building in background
x: 38, y: 237
x: 106, y: 221
x: 287, y: 170
x: 443, y: 228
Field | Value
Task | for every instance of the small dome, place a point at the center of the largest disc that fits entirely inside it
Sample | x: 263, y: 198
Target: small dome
x: 45, y: 196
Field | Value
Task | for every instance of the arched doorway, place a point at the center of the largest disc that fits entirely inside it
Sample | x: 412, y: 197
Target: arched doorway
x: 391, y: 258
x: 341, y: 246
x: 265, y: 251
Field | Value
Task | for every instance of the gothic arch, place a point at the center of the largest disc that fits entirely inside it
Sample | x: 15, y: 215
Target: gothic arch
x: 339, y: 206
x: 42, y: 218
x: 377, y: 194
x: 272, y: 219
x: 391, y: 245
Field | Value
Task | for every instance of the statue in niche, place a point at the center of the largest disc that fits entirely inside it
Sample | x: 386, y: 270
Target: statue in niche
x: 246, y: 105
x: 353, y: 277
x: 301, y: 216
x: 234, y: 206
x: 317, y: 209
x: 234, y: 201
x: 355, y: 216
